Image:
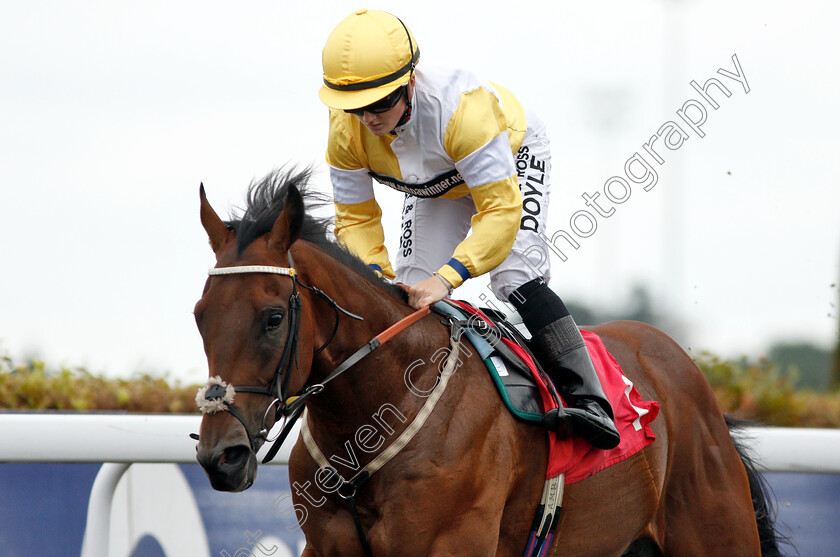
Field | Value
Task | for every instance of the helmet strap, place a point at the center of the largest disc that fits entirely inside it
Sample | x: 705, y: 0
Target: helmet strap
x: 406, y: 115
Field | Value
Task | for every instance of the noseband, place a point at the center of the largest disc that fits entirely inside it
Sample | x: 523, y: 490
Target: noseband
x: 218, y: 396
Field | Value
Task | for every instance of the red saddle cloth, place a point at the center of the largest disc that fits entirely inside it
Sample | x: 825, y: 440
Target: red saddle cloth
x: 575, y: 456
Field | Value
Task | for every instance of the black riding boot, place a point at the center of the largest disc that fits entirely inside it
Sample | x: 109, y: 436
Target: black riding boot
x: 559, y: 346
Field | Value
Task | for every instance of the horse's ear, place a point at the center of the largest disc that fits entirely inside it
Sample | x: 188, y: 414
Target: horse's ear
x: 213, y: 225
x: 287, y: 226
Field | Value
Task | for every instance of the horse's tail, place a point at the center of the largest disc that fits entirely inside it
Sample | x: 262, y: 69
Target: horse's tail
x: 765, y: 513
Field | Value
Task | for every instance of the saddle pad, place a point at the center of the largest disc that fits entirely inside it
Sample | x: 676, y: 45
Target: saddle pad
x: 512, y: 375
x: 574, y: 456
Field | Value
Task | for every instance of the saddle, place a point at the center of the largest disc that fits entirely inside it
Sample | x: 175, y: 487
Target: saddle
x: 514, y: 369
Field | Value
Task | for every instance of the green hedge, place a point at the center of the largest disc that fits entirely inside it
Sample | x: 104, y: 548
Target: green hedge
x: 762, y: 392
x: 32, y: 387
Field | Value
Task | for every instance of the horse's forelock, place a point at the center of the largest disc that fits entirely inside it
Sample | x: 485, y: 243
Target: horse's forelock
x: 264, y: 203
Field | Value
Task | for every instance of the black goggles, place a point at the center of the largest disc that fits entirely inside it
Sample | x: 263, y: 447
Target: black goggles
x: 382, y: 105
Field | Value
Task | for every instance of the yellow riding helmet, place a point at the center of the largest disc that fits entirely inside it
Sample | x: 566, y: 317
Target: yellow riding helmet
x: 367, y: 57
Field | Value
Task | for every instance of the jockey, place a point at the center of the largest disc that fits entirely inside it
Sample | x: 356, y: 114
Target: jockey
x: 464, y: 151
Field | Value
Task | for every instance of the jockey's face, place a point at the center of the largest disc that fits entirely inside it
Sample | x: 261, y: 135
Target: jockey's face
x: 381, y: 123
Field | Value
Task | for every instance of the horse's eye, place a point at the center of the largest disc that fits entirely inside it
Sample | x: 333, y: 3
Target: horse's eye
x: 274, y: 320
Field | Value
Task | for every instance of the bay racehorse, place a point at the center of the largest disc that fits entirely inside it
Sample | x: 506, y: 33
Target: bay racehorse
x: 286, y: 306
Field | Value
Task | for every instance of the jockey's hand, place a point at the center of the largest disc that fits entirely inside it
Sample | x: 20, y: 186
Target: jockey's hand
x: 427, y: 292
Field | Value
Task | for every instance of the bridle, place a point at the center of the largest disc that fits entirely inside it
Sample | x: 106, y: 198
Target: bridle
x: 216, y: 396
x: 217, y: 392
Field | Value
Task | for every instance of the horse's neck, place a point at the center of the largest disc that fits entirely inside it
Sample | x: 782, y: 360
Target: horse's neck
x: 376, y: 387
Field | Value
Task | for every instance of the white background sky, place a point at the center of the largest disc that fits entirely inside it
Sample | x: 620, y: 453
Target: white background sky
x: 111, y: 113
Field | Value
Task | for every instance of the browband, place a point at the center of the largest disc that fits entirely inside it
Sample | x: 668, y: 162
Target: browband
x: 288, y: 271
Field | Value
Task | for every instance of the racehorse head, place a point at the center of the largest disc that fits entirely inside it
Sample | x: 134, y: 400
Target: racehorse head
x: 258, y: 346
x: 270, y: 318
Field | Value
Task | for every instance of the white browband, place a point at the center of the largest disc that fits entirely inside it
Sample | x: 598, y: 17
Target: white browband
x: 288, y: 271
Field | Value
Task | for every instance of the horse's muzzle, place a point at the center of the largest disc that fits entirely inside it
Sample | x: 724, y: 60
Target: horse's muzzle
x: 231, y: 468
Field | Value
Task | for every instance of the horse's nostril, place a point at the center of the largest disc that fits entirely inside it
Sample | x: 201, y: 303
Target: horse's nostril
x: 235, y: 456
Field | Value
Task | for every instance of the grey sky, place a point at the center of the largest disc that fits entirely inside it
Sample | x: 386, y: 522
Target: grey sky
x: 112, y: 113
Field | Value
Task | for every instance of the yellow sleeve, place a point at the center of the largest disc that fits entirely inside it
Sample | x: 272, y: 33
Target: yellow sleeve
x: 358, y: 226
x: 358, y: 218
x: 514, y: 117
x: 494, y: 229
x: 343, y: 144
x: 477, y: 139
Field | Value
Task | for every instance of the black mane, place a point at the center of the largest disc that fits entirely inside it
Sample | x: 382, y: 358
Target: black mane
x: 265, y: 202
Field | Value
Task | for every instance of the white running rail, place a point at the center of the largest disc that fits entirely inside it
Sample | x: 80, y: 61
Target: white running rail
x: 118, y: 440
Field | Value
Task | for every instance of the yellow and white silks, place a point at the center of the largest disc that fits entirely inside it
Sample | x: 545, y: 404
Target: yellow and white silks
x: 455, y: 160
